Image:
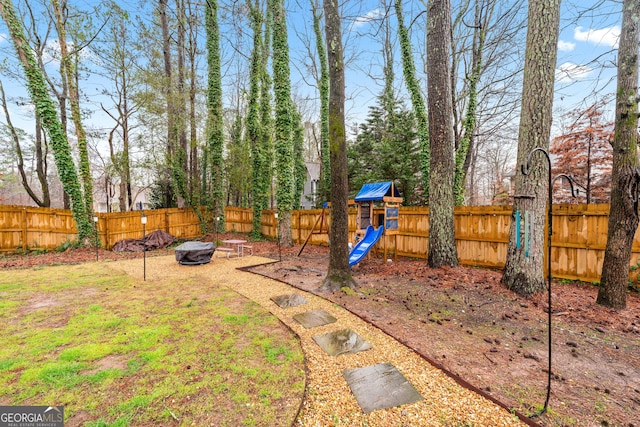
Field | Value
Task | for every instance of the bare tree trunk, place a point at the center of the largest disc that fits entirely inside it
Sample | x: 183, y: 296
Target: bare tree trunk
x: 169, y: 95
x: 625, y: 176
x: 339, y: 273
x: 523, y: 271
x: 442, y: 242
x: 194, y: 189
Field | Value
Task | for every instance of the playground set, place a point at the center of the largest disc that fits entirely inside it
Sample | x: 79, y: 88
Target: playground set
x: 370, y: 226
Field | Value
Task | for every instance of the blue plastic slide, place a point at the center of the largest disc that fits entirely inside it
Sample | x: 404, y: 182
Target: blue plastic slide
x: 361, y: 249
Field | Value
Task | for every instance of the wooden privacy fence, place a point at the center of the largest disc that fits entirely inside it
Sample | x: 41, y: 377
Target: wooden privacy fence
x: 482, y: 232
x: 482, y: 236
x: 30, y: 228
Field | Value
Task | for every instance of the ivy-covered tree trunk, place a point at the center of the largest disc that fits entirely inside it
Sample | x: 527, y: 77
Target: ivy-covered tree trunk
x: 70, y: 74
x: 215, y: 132
x: 469, y: 124
x: 325, y: 171
x: 339, y: 272
x: 413, y: 86
x: 46, y: 110
x: 442, y: 240
x: 266, y: 114
x: 253, y: 119
x: 625, y: 177
x: 283, y: 124
x: 523, y: 271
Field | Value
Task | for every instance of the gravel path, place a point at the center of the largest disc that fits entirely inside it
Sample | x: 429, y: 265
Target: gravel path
x: 328, y: 399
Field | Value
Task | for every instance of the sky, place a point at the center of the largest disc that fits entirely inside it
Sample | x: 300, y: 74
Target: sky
x: 585, y: 66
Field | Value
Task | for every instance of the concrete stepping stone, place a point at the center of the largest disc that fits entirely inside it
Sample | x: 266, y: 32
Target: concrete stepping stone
x: 312, y: 319
x: 286, y: 301
x: 380, y: 386
x: 340, y: 342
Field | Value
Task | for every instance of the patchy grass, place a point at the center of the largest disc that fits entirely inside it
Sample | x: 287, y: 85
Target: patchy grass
x: 116, y: 351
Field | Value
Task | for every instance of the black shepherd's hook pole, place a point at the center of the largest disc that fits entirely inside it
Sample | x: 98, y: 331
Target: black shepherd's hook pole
x: 574, y: 193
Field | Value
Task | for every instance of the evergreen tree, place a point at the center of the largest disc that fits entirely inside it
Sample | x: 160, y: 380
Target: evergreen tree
x: 387, y: 148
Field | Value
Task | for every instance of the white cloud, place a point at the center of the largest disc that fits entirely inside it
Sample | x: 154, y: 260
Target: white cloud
x: 566, y: 46
x: 605, y: 36
x: 569, y: 71
x: 368, y: 17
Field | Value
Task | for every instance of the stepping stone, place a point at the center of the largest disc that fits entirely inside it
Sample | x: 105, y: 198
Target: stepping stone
x: 380, y: 386
x: 340, y: 342
x: 314, y: 318
x: 285, y: 301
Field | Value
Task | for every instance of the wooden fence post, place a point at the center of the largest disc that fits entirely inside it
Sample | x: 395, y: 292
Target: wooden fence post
x: 24, y: 229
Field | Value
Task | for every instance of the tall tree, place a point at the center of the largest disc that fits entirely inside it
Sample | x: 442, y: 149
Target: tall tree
x: 70, y: 74
x: 625, y: 178
x: 118, y: 61
x: 258, y: 186
x: 284, y: 120
x: 215, y: 134
x: 442, y: 241
x: 339, y: 272
x: 168, y: 92
x: 523, y: 271
x: 266, y: 114
x: 46, y: 110
x: 464, y: 147
x: 192, y: 52
x: 409, y: 69
x: 323, y: 86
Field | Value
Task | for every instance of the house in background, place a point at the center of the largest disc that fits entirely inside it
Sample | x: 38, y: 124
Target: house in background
x: 106, y: 199
x: 309, y: 197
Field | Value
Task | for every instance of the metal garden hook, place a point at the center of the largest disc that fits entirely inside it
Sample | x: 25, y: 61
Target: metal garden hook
x: 525, y: 168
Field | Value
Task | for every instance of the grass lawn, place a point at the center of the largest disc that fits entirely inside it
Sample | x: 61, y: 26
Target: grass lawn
x: 117, y: 351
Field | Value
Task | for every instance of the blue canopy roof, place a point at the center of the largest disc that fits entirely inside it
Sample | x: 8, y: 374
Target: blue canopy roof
x: 376, y: 191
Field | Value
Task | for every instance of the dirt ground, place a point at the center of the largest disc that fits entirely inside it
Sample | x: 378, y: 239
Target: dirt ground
x: 464, y: 320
